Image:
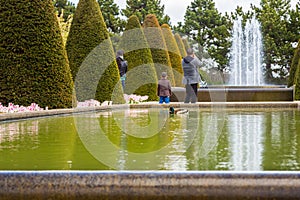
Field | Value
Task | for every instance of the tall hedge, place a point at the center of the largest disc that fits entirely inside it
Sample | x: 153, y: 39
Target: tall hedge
x: 158, y: 47
x: 174, y: 54
x: 141, y: 75
x: 294, y: 65
x: 91, y: 56
x: 33, y: 61
x: 180, y: 45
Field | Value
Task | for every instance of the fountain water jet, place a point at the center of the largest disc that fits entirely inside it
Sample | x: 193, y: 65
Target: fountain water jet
x: 246, y: 54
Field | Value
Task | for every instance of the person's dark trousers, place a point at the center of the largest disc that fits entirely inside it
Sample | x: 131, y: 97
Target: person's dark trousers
x: 191, y: 93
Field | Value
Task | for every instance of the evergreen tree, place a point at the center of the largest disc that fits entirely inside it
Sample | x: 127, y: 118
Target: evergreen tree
x: 209, y: 29
x: 65, y: 27
x: 240, y: 13
x: 297, y: 82
x: 294, y: 27
x: 294, y: 66
x: 141, y: 76
x: 90, y: 52
x: 158, y: 47
x: 64, y: 8
x: 294, y: 22
x: 277, y: 37
x: 180, y: 45
x: 34, y: 65
x: 174, y: 54
x: 142, y: 8
x: 111, y: 12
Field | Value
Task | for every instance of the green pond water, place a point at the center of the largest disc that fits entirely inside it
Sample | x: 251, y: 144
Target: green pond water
x: 151, y: 139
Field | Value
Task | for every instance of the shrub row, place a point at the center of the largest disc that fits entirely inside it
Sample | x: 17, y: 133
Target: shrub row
x: 141, y: 76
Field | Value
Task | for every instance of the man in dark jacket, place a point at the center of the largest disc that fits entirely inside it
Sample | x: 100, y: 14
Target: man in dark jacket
x: 122, y: 65
x: 191, y: 77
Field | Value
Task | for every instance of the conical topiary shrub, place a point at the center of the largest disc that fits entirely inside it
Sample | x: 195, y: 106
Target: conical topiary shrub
x: 294, y: 65
x: 141, y: 76
x: 180, y: 45
x: 34, y: 65
x: 158, y: 47
x: 91, y: 56
x: 174, y: 54
x: 186, y: 43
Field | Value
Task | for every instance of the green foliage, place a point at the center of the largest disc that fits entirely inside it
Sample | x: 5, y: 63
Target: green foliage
x: 294, y: 66
x: 280, y: 25
x: 142, y: 8
x: 111, y: 12
x: 174, y: 54
x: 99, y: 76
x: 34, y: 65
x: 205, y: 25
x: 297, y: 82
x: 180, y: 45
x: 294, y: 27
x: 158, y: 47
x: 64, y: 7
x: 274, y: 16
x: 65, y: 27
x: 141, y: 76
x: 294, y: 22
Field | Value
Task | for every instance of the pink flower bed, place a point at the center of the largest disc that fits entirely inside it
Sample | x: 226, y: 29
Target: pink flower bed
x: 11, y: 108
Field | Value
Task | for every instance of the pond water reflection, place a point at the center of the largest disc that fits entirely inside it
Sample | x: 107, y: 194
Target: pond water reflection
x: 151, y: 139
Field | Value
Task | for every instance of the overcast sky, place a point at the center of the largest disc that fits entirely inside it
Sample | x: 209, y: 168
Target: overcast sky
x: 176, y: 8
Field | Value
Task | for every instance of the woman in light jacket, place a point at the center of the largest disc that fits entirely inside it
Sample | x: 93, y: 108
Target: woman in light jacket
x: 191, y: 77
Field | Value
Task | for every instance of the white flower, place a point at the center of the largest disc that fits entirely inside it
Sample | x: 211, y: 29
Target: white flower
x: 88, y: 103
x: 132, y: 98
